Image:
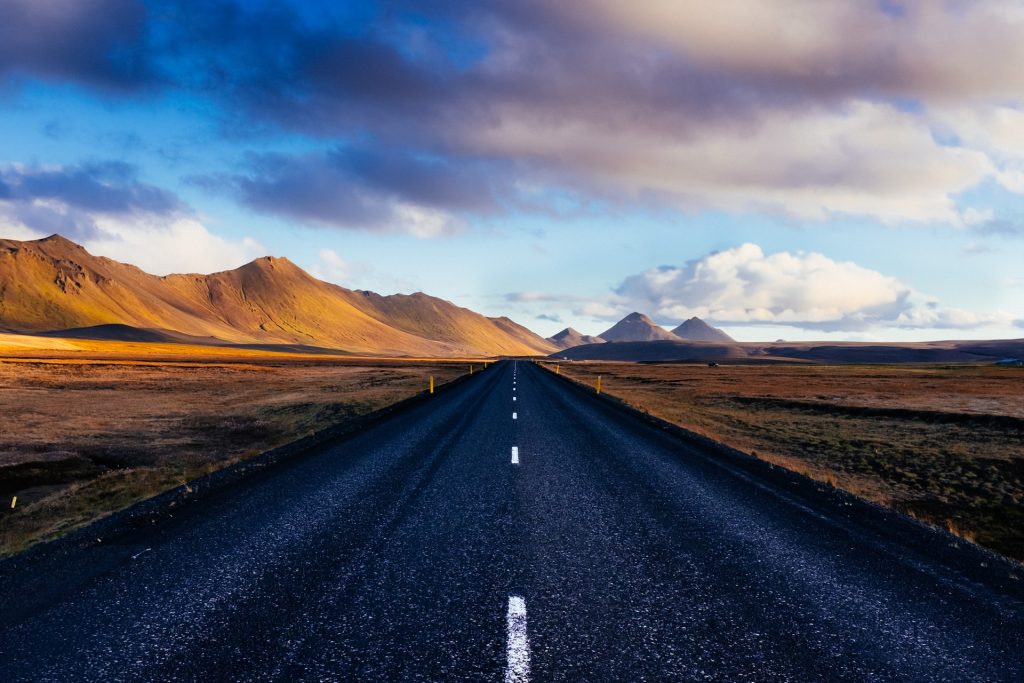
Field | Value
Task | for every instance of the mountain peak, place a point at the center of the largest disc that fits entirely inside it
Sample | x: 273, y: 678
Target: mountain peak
x: 636, y: 327
x: 637, y: 316
x: 569, y: 337
x: 57, y: 239
x: 696, y: 329
x: 58, y: 243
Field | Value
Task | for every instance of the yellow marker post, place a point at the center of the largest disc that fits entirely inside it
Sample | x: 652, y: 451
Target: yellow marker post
x: 558, y: 370
x: 471, y: 368
x: 431, y: 384
x: 14, y: 501
x: 599, y: 384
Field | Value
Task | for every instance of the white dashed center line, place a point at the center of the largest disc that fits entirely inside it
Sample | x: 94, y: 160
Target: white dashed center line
x: 513, y: 398
x: 518, y: 668
x: 515, y: 455
x: 515, y: 416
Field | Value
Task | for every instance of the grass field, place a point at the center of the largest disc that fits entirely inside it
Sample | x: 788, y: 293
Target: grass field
x: 944, y: 444
x: 87, y: 431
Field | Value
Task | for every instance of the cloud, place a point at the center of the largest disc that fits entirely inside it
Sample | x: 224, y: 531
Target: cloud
x: 105, y: 207
x: 867, y: 159
x: 101, y: 43
x: 1001, y: 227
x: 550, y: 317
x: 67, y: 199
x: 925, y: 49
x: 743, y: 285
x: 176, y: 245
x: 365, y: 187
x: 110, y: 187
x: 886, y: 110
x: 976, y: 249
x: 531, y: 296
x: 332, y: 268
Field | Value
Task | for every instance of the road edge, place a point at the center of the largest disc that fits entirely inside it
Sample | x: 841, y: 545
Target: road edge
x: 984, y: 560
x: 149, y: 511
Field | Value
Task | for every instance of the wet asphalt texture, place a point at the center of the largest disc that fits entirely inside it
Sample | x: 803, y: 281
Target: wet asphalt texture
x: 391, y: 555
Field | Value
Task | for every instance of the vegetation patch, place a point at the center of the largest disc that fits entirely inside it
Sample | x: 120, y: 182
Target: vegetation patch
x: 84, y: 439
x: 944, y: 444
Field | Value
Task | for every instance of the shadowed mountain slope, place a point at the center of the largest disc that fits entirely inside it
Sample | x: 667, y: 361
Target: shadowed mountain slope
x: 637, y: 327
x: 54, y: 284
x: 568, y: 338
x: 696, y: 329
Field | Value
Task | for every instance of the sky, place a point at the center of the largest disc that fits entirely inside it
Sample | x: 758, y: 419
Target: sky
x: 815, y: 169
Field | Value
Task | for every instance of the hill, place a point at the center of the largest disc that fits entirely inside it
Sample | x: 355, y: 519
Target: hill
x: 568, y: 338
x: 696, y: 329
x: 636, y: 327
x: 53, y: 284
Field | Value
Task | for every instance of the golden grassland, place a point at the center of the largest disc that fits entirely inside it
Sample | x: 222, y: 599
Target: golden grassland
x: 944, y: 444
x: 87, y: 428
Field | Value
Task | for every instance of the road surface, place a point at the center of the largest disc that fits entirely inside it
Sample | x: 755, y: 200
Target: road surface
x: 515, y: 528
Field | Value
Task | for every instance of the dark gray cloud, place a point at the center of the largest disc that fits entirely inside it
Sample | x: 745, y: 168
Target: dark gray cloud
x: 360, y: 186
x: 100, y: 43
x: 67, y: 199
x: 399, y: 68
x: 104, y: 187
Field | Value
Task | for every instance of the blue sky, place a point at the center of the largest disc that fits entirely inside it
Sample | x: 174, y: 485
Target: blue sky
x: 832, y: 171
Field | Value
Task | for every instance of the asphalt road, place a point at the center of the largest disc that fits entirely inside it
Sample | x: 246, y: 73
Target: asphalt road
x: 425, y: 548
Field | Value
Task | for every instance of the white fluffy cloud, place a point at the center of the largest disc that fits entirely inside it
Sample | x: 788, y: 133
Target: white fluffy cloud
x: 157, y: 245
x: 331, y: 267
x: 177, y: 245
x: 107, y: 209
x: 743, y: 285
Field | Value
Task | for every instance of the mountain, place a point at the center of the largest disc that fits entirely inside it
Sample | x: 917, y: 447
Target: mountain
x: 54, y: 284
x: 696, y: 329
x: 637, y: 327
x: 568, y: 338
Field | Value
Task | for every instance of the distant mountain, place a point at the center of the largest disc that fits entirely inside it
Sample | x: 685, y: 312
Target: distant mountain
x: 696, y: 329
x: 54, y: 284
x: 568, y: 338
x: 637, y: 327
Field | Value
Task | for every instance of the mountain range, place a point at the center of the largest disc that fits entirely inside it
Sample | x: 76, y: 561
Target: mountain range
x: 637, y: 327
x: 55, y: 286
x: 638, y: 338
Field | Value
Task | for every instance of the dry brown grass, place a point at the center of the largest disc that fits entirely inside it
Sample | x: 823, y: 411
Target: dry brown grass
x: 942, y: 443
x: 83, y: 436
